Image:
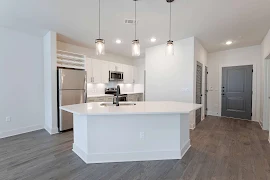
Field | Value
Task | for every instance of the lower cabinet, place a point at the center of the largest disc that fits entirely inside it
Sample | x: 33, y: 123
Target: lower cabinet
x: 135, y: 97
x: 100, y: 99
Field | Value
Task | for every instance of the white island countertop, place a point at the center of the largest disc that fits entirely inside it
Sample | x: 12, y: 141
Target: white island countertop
x: 147, y: 107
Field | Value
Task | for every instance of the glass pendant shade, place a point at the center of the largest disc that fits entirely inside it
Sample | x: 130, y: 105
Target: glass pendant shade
x: 100, y: 46
x: 136, y: 50
x: 169, y: 48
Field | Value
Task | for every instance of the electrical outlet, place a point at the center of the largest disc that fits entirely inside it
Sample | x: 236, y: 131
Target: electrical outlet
x: 141, y: 135
x: 8, y: 119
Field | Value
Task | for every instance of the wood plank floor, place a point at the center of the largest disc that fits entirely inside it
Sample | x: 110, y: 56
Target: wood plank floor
x: 222, y: 149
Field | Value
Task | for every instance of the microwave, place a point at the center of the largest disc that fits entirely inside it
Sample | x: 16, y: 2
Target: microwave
x: 116, y: 76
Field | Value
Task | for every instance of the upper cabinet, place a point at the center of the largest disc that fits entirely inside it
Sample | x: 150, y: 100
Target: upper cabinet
x: 128, y: 74
x: 115, y: 67
x: 135, y: 74
x: 97, y: 71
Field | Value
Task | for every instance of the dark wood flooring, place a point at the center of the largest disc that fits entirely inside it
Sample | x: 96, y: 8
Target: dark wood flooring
x: 222, y: 149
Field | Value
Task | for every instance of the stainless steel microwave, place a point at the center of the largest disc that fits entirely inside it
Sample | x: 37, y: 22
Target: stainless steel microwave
x: 116, y: 76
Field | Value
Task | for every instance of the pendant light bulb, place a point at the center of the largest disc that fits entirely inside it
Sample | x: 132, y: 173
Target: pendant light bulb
x: 100, y: 43
x: 170, y: 47
x: 100, y: 46
x: 135, y: 46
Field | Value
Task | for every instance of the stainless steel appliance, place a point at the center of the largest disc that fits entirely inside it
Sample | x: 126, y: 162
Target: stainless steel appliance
x: 113, y: 91
x: 116, y: 76
x: 72, y: 89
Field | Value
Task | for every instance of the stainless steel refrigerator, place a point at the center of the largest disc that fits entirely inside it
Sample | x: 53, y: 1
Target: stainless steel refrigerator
x: 72, y: 89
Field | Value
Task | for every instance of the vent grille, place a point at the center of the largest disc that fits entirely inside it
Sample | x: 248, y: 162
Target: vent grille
x: 131, y: 21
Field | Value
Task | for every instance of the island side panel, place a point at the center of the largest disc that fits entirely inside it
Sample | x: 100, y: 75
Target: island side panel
x: 120, y: 138
x: 80, y: 131
x: 185, y: 133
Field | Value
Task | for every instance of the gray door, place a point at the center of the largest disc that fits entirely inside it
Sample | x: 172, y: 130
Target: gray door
x: 206, y: 90
x: 237, y: 92
x: 199, y: 92
x: 69, y: 97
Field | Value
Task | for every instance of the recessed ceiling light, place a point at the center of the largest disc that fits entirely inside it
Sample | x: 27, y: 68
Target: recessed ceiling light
x: 118, y: 41
x: 229, y: 42
x: 153, y: 39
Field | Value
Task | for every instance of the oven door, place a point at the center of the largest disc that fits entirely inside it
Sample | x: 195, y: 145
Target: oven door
x: 116, y: 76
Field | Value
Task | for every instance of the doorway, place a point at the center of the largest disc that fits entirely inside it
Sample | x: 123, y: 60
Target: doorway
x: 237, y: 92
x: 199, y: 91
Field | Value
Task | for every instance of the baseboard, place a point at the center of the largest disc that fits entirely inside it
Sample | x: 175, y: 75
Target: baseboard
x: 210, y: 113
x: 51, y: 131
x: 185, y: 148
x: 20, y: 131
x: 192, y: 126
x: 127, y: 156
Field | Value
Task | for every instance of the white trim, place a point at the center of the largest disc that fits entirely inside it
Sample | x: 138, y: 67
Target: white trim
x: 192, y: 126
x: 185, y: 149
x: 51, y: 131
x: 20, y: 131
x: 129, y: 156
x: 211, y: 113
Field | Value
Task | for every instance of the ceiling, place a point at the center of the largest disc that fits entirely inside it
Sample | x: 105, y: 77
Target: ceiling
x: 213, y: 22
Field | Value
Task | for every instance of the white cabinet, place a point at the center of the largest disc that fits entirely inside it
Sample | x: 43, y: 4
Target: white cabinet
x: 97, y: 71
x: 105, y: 72
x: 128, y: 74
x: 115, y: 67
x: 135, y: 74
x: 88, y: 68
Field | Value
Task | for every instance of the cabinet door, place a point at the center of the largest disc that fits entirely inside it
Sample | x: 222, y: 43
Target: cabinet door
x: 128, y: 75
x: 119, y: 67
x: 88, y: 68
x: 96, y: 71
x: 134, y: 74
x: 105, y: 72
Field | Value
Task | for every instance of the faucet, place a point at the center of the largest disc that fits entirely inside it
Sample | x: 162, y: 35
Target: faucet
x: 117, y: 96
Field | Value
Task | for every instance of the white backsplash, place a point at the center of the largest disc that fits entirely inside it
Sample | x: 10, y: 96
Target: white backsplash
x: 97, y: 89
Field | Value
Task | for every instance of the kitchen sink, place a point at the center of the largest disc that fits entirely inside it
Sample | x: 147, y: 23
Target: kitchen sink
x: 120, y: 104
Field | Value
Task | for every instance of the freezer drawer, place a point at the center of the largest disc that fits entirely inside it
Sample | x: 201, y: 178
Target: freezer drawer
x: 69, y: 97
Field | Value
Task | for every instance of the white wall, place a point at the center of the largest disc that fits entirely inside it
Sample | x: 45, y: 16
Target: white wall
x: 21, y: 77
x: 139, y: 84
x: 200, y: 56
x: 170, y: 78
x: 265, y: 52
x: 50, y: 82
x: 236, y: 57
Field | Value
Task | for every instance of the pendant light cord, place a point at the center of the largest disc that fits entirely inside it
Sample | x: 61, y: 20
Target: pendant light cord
x: 135, y: 19
x: 99, y: 21
x: 170, y: 21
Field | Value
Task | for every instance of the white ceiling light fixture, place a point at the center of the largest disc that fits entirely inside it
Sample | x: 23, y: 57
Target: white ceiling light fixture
x: 118, y: 41
x: 229, y: 42
x: 153, y: 39
x: 170, y: 48
x: 100, y: 43
x: 136, y: 50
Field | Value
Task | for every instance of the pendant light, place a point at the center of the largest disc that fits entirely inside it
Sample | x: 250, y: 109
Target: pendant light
x: 100, y: 43
x: 169, y: 47
x: 136, y: 43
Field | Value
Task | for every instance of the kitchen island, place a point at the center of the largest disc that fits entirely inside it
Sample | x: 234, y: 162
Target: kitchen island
x: 138, y: 131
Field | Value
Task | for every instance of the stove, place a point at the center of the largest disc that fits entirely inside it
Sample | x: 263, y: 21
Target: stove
x: 113, y: 91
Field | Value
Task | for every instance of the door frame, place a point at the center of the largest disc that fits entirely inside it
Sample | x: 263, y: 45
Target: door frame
x: 266, y: 95
x: 254, y: 89
x: 200, y: 64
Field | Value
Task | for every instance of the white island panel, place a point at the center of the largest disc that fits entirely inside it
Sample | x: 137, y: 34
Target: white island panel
x: 131, y: 138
